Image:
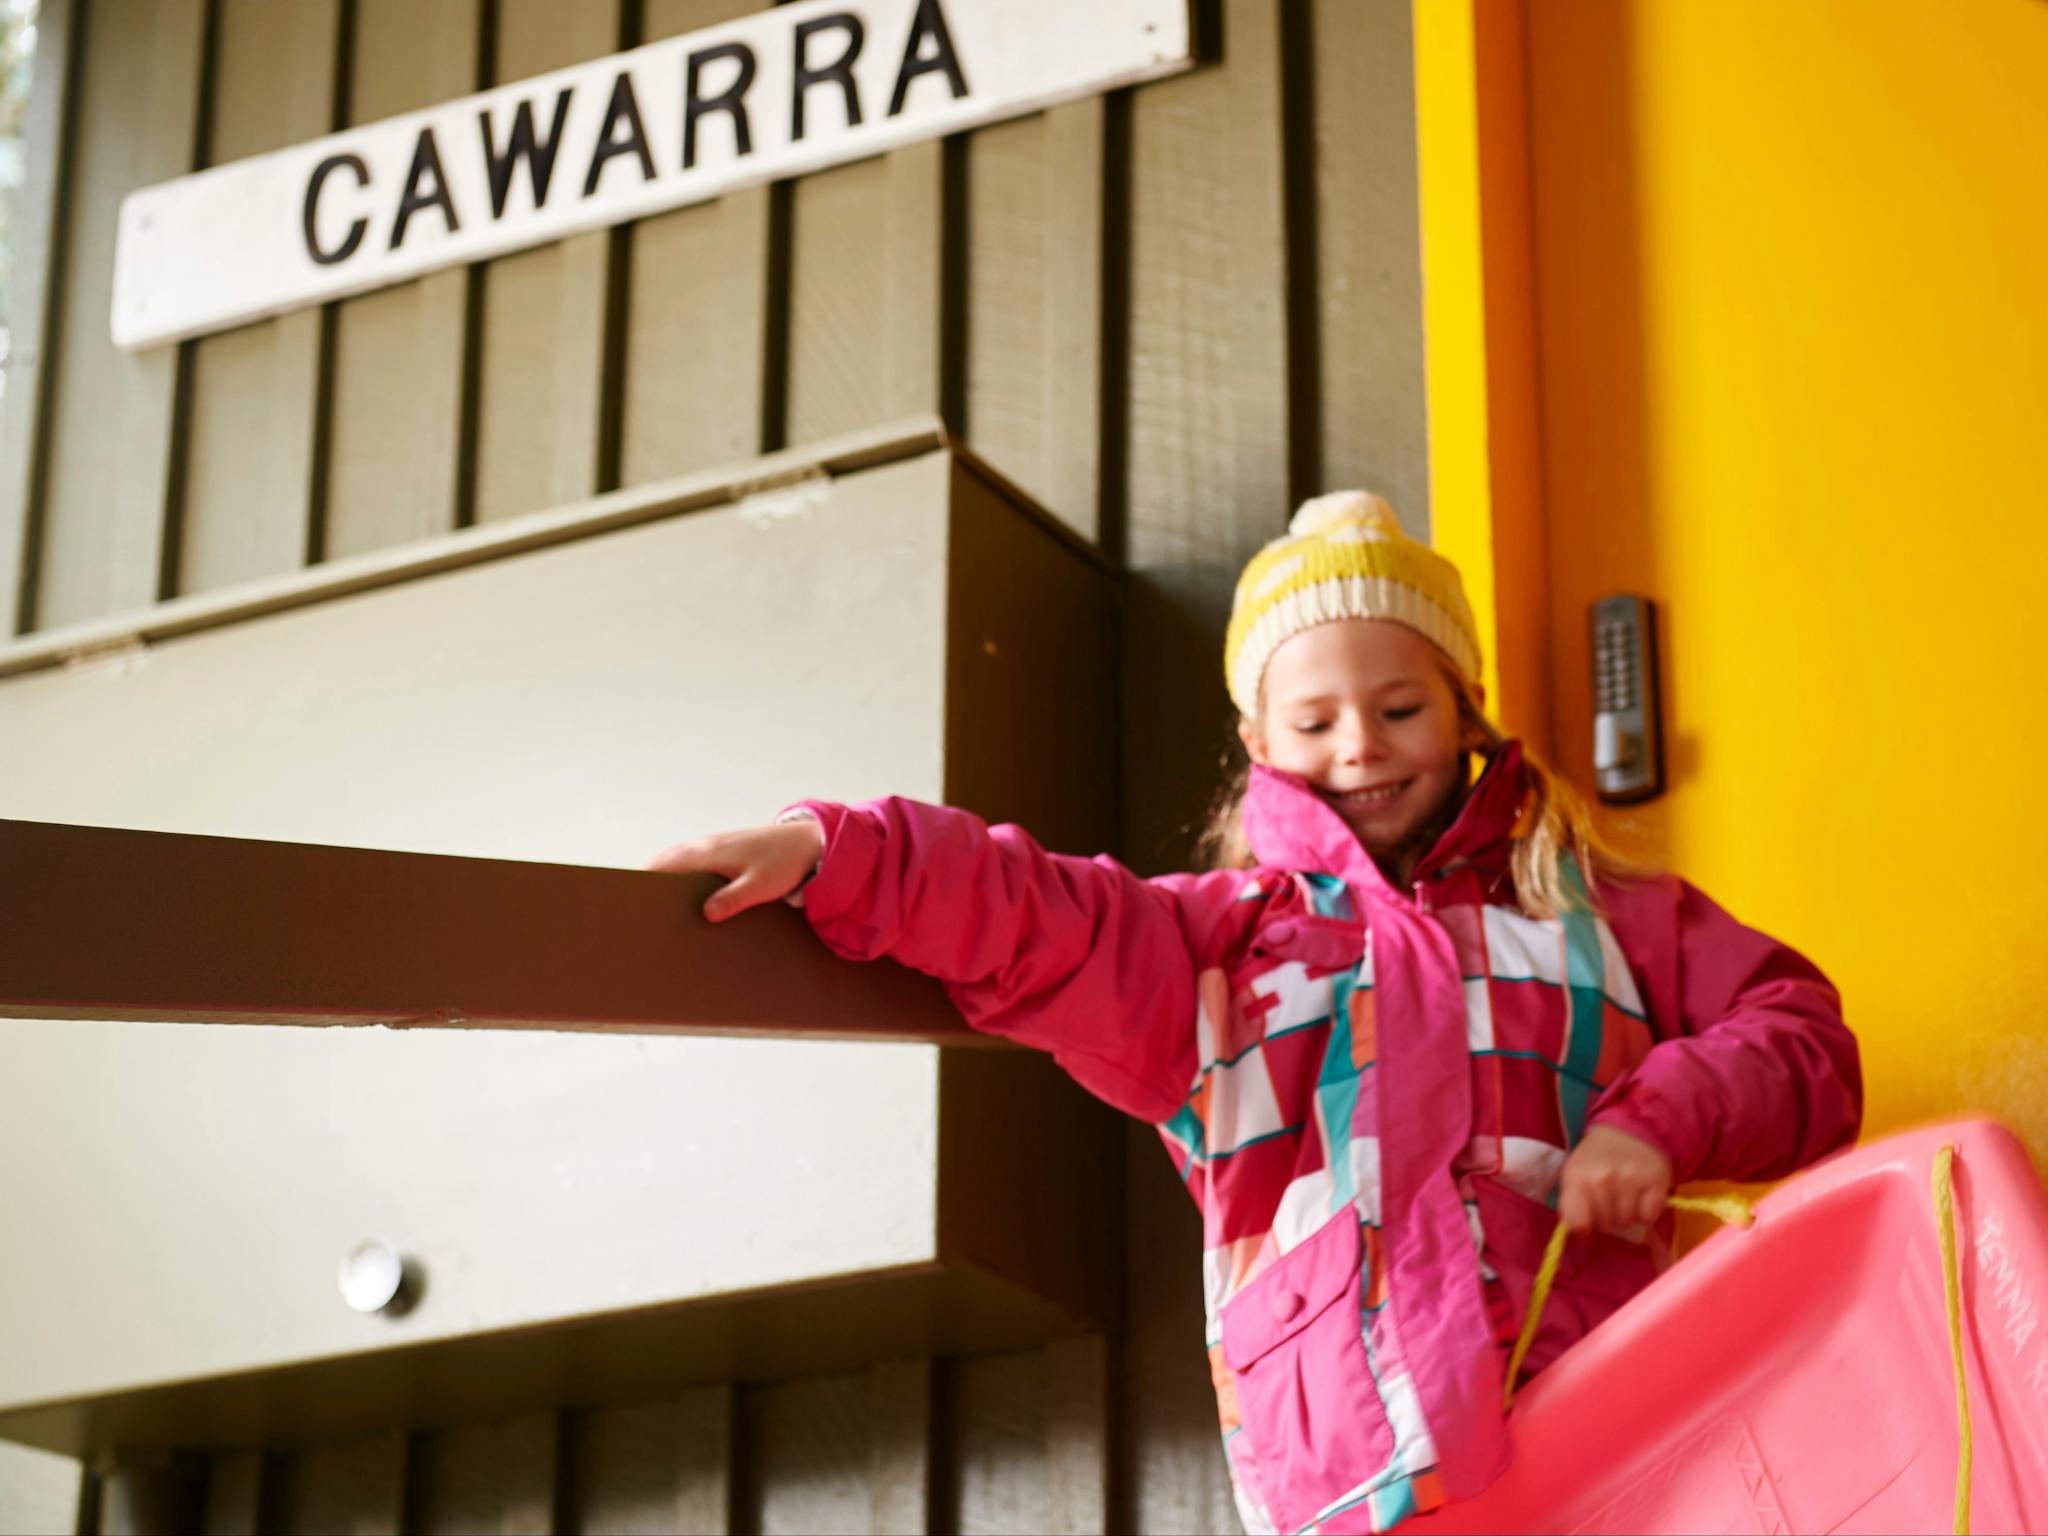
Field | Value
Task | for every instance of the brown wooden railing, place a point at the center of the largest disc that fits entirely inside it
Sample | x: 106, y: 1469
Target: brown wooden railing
x: 107, y: 923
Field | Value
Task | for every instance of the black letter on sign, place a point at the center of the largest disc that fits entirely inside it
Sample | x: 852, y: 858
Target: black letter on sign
x: 728, y: 100
x: 930, y: 22
x: 840, y: 71
x: 625, y: 109
x: 426, y: 161
x: 347, y: 248
x: 539, y: 154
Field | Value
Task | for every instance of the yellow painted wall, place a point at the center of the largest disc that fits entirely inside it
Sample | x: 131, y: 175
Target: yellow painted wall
x: 1479, y: 334
x: 1791, y: 276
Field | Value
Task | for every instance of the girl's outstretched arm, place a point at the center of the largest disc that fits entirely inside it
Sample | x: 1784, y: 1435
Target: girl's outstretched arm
x: 1078, y: 957
x: 1755, y: 1073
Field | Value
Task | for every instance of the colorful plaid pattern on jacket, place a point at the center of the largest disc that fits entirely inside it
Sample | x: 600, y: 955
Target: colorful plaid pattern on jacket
x: 1368, y: 1093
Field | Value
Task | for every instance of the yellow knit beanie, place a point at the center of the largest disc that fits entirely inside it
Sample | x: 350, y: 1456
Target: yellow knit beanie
x: 1344, y: 557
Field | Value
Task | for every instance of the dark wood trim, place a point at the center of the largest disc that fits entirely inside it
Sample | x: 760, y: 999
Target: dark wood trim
x: 107, y: 923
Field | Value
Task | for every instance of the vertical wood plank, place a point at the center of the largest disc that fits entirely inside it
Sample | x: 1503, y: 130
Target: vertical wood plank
x: 1170, y: 1474
x: 696, y: 365
x: 900, y: 1452
x: 253, y: 421
x: 1077, y: 1436
x: 810, y: 1455
x: 996, y: 1423
x: 1069, y: 479
x: 1033, y: 304
x: 1368, y: 265
x: 1207, y: 457
x: 107, y: 487
x: 348, y: 1488
x: 37, y: 284
x: 485, y: 1479
x: 144, y: 1492
x: 653, y: 1468
x: 396, y: 466
x: 1006, y: 281
x: 915, y: 341
x: 39, y: 1491
x: 545, y: 312
x: 234, y: 1494
x: 868, y: 302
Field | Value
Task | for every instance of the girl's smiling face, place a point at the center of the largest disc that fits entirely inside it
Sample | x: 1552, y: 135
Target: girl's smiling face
x: 1363, y: 710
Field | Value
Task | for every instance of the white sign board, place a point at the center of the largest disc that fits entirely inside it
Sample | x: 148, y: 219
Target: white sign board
x: 777, y: 94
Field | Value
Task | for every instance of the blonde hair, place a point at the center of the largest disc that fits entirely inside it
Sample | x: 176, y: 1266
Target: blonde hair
x: 1554, y: 821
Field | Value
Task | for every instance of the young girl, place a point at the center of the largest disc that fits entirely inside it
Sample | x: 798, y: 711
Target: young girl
x: 1411, y: 1022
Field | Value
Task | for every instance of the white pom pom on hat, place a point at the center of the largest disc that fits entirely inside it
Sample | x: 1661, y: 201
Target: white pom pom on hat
x: 1326, y: 514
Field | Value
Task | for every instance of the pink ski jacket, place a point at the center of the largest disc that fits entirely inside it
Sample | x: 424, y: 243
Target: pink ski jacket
x: 1369, y: 1093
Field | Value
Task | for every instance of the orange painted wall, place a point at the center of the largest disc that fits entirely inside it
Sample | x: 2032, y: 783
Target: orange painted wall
x: 1790, y: 266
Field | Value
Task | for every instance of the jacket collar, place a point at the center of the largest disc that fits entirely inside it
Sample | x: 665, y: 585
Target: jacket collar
x: 1290, y: 826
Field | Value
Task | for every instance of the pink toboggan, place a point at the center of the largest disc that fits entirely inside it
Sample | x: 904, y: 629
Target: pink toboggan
x: 1797, y: 1374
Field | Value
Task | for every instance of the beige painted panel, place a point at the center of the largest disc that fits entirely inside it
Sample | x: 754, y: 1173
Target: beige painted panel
x: 543, y: 350
x: 397, y: 455
x: 38, y: 1491
x: 866, y: 297
x: 1033, y: 364
x: 580, y: 705
x: 255, y: 392
x: 696, y: 364
x: 195, y: 1189
x: 1369, y: 256
x: 109, y: 453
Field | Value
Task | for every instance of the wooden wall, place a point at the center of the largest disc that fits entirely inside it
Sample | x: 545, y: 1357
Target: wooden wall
x: 1168, y: 314
x: 1005, y: 1443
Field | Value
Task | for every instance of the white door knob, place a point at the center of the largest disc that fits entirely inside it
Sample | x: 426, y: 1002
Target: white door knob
x: 371, y: 1276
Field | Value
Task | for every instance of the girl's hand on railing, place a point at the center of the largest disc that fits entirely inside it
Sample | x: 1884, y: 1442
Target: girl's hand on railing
x: 759, y: 864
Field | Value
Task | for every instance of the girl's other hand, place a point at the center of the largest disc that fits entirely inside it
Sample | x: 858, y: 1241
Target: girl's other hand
x: 760, y: 864
x: 1612, y: 1180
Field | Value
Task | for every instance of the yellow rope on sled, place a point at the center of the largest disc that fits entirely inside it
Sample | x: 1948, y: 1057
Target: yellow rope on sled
x: 1730, y: 1208
x: 1951, y: 1293
x: 1735, y: 1209
x: 1546, y: 1272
